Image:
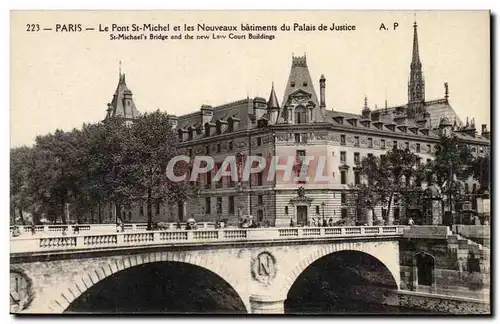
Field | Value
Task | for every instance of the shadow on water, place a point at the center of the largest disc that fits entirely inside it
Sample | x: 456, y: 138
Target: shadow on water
x: 163, y: 287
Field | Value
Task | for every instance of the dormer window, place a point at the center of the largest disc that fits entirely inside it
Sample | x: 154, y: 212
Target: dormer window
x: 230, y: 125
x: 304, y: 84
x: 207, y: 130
x: 292, y: 84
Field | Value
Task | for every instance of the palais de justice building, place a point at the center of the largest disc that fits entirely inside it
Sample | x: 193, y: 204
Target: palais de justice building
x: 300, y: 125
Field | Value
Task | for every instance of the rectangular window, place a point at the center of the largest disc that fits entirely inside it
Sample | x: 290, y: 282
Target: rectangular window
x: 356, y: 140
x: 317, y: 210
x: 357, y: 178
x: 217, y: 168
x: 218, y: 148
x: 343, y: 198
x: 286, y: 210
x: 259, y: 178
x: 343, y: 212
x: 297, y: 137
x: 394, y: 145
x: 260, y: 199
x: 418, y: 147
x: 219, y: 205
x: 259, y: 141
x: 407, y: 145
x: 370, y: 142
x: 207, y: 149
x: 396, y: 215
x: 230, y: 145
x: 190, y: 152
x: 208, y: 176
x: 231, y: 204
x: 343, y: 177
x: 207, y: 205
x: 342, y: 139
x: 382, y: 144
x: 356, y: 157
x: 467, y: 188
x: 429, y: 148
x: 342, y: 156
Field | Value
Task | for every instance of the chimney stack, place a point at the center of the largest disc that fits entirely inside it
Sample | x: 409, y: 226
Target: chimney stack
x: 322, y: 85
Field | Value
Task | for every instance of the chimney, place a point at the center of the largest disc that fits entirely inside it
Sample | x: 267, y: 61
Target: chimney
x: 322, y: 85
x: 173, y: 120
x: 207, y: 113
x: 484, y: 132
x: 259, y: 107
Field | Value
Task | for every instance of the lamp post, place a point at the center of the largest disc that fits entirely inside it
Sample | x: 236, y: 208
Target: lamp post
x: 323, y: 205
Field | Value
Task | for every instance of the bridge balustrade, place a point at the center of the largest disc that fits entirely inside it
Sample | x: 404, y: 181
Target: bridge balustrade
x: 28, y: 243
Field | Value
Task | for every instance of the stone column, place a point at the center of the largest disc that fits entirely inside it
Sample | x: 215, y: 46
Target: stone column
x: 261, y: 304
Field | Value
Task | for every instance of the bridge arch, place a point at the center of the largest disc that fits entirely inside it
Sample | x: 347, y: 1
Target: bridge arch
x: 380, y: 253
x: 69, y: 292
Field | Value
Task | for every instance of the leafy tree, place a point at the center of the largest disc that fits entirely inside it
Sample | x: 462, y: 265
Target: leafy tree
x: 152, y: 145
x: 480, y: 169
x: 386, y: 176
x: 20, y: 159
x: 451, y: 167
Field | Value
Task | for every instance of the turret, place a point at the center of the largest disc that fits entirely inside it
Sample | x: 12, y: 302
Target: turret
x: 366, y: 112
x: 273, y: 107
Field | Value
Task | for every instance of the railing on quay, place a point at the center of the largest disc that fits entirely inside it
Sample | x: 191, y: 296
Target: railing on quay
x: 82, y: 241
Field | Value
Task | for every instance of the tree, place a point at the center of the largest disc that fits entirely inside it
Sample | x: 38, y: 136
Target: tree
x: 451, y: 167
x: 387, y: 176
x: 480, y: 169
x: 19, y: 170
x: 152, y: 145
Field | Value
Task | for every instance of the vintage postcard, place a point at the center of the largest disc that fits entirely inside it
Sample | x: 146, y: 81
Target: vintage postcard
x: 250, y: 162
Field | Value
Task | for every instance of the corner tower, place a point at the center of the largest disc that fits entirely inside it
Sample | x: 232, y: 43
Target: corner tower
x: 300, y: 103
x: 122, y: 105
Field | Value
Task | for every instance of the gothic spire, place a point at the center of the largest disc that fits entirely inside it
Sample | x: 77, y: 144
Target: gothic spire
x: 415, y: 58
x: 416, y: 86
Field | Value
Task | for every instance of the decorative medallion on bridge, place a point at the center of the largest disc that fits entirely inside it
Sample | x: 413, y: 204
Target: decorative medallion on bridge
x: 264, y: 268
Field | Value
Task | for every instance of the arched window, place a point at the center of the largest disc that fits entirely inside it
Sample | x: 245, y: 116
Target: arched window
x: 300, y: 115
x: 425, y: 268
x: 207, y: 130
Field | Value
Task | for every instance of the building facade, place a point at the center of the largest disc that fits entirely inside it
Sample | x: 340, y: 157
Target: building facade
x: 302, y: 127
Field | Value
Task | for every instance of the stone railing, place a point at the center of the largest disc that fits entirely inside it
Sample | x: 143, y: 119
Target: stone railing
x: 99, y: 227
x: 82, y: 241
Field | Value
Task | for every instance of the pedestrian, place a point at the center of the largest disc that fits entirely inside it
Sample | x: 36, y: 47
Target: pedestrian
x: 33, y: 229
x: 411, y: 222
x: 330, y: 222
x: 64, y: 231
x: 292, y: 223
x: 324, y: 223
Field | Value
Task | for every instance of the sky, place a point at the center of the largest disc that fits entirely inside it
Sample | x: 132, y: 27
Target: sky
x: 64, y: 79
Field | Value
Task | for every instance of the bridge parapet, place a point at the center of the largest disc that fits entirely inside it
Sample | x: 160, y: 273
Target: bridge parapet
x: 85, y: 241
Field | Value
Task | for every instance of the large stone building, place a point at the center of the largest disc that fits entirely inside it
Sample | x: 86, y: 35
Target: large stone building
x: 300, y: 126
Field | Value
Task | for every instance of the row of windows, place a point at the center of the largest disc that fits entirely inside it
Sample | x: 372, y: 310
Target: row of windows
x: 230, y: 209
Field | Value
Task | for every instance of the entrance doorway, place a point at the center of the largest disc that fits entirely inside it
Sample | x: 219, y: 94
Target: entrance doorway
x: 301, y: 215
x: 425, y: 269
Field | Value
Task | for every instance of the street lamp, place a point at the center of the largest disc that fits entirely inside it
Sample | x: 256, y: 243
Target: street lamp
x: 323, y: 205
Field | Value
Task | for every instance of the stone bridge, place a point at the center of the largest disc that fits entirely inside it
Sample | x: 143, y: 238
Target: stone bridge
x: 49, y: 273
